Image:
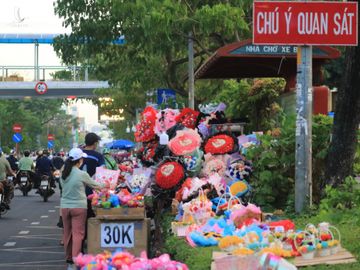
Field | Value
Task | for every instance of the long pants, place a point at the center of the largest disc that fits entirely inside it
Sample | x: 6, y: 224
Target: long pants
x: 8, y: 190
x: 74, y: 220
x: 38, y: 177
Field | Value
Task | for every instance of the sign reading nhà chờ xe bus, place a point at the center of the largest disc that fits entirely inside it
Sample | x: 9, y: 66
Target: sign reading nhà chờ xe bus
x: 305, y: 23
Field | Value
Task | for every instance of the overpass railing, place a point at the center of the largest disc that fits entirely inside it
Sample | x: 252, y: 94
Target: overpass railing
x: 75, y: 73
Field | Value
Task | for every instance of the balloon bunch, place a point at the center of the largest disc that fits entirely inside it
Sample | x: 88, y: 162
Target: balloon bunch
x: 124, y: 198
x: 121, y: 260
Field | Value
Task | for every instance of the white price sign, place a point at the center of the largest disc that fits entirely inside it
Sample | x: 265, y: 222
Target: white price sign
x: 117, y: 235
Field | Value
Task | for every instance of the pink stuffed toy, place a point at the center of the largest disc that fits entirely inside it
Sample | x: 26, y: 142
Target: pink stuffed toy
x: 165, y: 120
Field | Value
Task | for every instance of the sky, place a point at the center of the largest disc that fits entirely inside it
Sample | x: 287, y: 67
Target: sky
x: 34, y: 16
x: 37, y: 17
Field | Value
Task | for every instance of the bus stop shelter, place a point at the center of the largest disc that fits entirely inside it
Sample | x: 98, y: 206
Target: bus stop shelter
x: 246, y: 60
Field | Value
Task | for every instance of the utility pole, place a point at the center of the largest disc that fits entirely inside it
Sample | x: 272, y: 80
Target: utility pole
x: 303, y: 156
x: 191, y: 72
x: 36, y: 62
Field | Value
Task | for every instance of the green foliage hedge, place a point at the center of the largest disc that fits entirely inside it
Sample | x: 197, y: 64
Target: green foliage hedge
x: 274, y: 163
x: 195, y: 258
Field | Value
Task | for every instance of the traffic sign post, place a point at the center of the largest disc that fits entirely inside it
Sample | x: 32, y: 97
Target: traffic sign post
x: 166, y: 97
x: 41, y: 88
x: 303, y: 140
x: 304, y: 24
x: 17, y: 137
x: 51, y: 137
x: 50, y: 144
x: 17, y: 128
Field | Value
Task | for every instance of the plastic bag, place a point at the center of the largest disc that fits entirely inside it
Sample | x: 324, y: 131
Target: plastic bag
x: 104, y: 175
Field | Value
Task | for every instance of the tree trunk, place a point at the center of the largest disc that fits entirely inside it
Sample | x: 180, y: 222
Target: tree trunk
x: 347, y: 118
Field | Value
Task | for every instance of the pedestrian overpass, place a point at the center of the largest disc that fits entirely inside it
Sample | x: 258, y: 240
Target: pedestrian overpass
x: 51, y: 89
x: 55, y: 89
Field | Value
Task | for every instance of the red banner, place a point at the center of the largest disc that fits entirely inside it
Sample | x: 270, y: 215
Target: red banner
x: 305, y: 23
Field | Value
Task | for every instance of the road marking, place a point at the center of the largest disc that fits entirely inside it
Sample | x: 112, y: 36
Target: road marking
x: 31, y: 251
x: 9, y: 244
x: 32, y: 262
x: 35, y: 223
x: 36, y: 248
x: 44, y: 227
x: 55, y: 238
x: 44, y: 216
x: 35, y: 266
x: 57, y: 206
x: 51, y: 211
x: 25, y: 219
x: 24, y: 232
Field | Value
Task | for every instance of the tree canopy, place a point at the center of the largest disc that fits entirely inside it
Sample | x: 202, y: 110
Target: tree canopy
x: 156, y: 33
x: 37, y: 117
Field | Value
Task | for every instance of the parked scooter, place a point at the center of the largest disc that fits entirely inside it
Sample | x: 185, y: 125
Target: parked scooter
x: 25, y: 182
x: 45, y: 189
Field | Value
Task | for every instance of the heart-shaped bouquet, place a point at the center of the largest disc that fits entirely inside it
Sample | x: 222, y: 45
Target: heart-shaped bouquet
x: 169, y: 174
x: 185, y: 142
x: 220, y: 144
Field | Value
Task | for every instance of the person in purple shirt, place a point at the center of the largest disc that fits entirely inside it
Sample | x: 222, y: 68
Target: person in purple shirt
x: 94, y: 159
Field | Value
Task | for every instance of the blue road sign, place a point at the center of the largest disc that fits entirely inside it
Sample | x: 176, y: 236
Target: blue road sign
x: 166, y: 96
x: 17, y: 137
x: 50, y: 144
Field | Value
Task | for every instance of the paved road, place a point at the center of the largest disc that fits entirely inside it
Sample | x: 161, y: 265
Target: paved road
x: 29, y: 238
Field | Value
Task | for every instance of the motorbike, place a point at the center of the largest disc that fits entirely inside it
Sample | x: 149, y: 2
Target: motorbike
x: 24, y: 182
x: 45, y: 189
x: 3, y: 208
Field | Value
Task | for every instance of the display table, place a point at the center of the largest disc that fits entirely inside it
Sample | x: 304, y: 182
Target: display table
x: 110, y: 230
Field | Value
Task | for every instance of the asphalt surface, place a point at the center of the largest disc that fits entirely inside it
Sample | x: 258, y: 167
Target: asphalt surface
x: 29, y: 237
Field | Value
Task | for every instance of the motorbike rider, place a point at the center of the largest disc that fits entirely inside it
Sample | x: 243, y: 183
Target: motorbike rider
x: 57, y: 161
x: 5, y: 168
x: 44, y: 167
x: 13, y: 161
x: 26, y: 164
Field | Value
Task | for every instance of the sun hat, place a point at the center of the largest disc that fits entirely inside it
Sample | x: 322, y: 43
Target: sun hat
x: 77, y: 153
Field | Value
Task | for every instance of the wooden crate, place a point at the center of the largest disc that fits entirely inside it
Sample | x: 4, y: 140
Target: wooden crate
x: 140, y: 239
x: 122, y: 212
x: 342, y: 257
